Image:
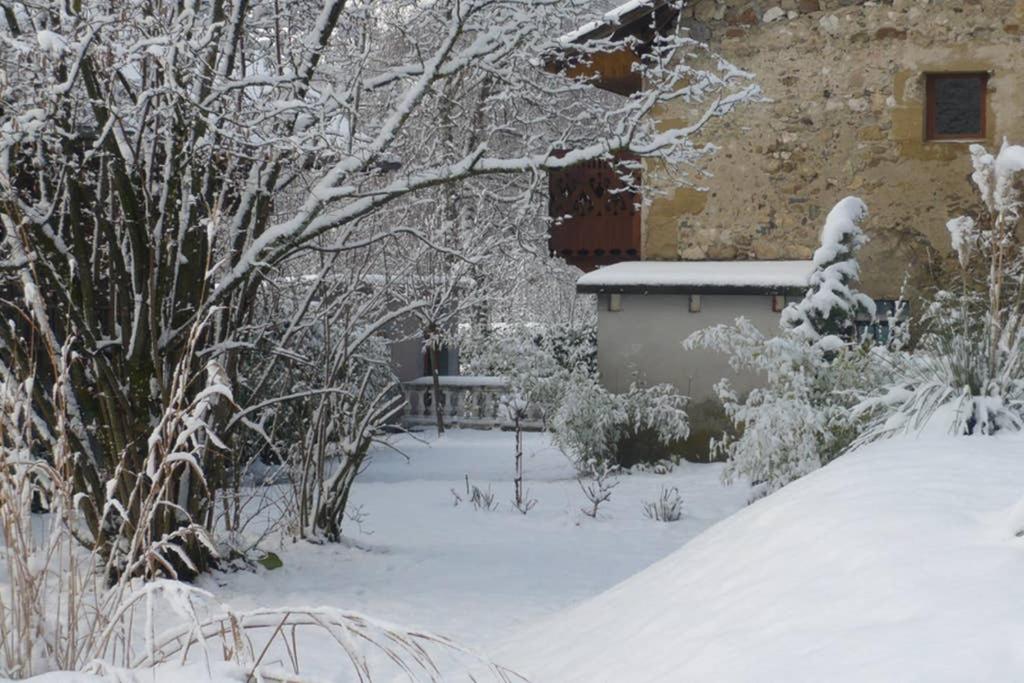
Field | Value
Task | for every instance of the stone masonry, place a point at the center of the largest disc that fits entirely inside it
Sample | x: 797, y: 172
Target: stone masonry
x: 846, y: 115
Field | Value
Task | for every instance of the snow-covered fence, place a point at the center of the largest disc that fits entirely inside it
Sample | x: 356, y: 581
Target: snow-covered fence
x: 466, y: 401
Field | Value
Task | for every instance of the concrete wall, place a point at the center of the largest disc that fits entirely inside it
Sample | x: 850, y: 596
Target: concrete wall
x: 846, y: 83
x: 407, y: 358
x: 643, y: 340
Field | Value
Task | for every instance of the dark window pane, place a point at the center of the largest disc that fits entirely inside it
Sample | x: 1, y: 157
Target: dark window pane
x: 958, y: 105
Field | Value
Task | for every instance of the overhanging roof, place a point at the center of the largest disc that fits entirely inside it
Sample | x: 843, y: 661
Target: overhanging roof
x: 614, y: 20
x: 697, y: 277
x: 626, y: 33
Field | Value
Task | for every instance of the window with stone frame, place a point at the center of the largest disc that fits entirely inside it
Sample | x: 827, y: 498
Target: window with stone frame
x: 956, y: 106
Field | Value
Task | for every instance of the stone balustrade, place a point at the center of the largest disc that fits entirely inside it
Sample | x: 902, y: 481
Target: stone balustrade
x: 466, y: 401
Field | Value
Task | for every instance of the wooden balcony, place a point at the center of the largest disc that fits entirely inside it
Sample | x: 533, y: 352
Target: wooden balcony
x: 595, y: 215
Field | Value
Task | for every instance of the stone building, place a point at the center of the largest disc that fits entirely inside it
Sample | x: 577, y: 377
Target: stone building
x: 878, y: 99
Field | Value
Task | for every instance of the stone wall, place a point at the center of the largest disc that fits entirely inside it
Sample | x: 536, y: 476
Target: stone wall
x: 846, y: 116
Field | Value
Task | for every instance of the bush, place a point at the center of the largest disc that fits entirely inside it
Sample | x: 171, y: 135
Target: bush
x: 801, y: 418
x: 640, y: 425
x: 814, y: 371
x: 595, y: 480
x: 966, y: 375
x: 667, y: 508
x: 537, y: 361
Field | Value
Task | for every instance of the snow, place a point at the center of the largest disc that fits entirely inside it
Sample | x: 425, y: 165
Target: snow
x: 697, y: 274
x: 417, y: 560
x: 962, y: 236
x: 472, y: 575
x: 896, y: 563
x: 842, y: 222
x: 462, y: 381
x: 611, y: 17
x: 832, y: 303
x: 1008, y: 167
x: 51, y: 42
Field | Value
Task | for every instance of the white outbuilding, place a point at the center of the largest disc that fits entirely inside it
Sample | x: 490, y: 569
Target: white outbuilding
x: 647, y: 308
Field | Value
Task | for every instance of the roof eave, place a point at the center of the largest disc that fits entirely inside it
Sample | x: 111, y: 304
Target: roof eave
x: 765, y: 290
x: 608, y: 28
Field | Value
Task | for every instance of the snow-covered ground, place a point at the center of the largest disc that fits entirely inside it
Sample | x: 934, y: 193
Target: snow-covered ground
x: 476, y: 575
x: 896, y: 563
x: 900, y: 562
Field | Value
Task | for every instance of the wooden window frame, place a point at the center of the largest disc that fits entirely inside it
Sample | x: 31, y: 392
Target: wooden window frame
x: 930, y: 112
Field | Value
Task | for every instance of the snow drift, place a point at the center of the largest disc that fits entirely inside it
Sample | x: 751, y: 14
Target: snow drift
x: 896, y: 563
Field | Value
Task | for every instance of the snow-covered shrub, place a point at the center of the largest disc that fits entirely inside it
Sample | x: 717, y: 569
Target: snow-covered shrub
x: 660, y: 467
x: 667, y: 508
x: 574, y: 347
x: 800, y: 418
x: 595, y: 480
x: 656, y: 421
x: 966, y: 375
x: 341, y: 391
x: 831, y: 304
x: 813, y: 372
x: 537, y: 360
x: 594, y: 423
x: 587, y: 421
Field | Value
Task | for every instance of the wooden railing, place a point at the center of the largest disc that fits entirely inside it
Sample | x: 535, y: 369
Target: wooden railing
x: 466, y: 401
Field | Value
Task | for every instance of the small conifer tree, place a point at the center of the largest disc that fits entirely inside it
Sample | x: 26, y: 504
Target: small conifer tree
x: 829, y: 310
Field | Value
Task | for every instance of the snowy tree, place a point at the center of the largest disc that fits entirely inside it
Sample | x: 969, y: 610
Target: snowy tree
x: 832, y: 303
x: 158, y: 166
x: 800, y: 417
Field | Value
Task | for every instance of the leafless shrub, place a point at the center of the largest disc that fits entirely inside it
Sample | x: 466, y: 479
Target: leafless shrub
x: 517, y: 409
x: 483, y: 500
x: 480, y: 499
x: 668, y: 507
x: 525, y: 504
x: 596, y: 483
x: 357, y: 515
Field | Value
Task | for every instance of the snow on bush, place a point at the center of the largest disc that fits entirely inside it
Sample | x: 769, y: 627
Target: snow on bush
x: 594, y: 423
x: 587, y: 421
x: 813, y: 371
x: 831, y: 305
x: 536, y: 360
x: 800, y: 418
x: 596, y: 481
x: 966, y: 375
x: 667, y: 508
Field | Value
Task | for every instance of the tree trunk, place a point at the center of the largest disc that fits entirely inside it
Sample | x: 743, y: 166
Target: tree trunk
x: 436, y: 377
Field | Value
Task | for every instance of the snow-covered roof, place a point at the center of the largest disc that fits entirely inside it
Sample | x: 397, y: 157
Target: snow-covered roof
x: 613, y: 18
x: 461, y: 381
x: 697, y: 276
